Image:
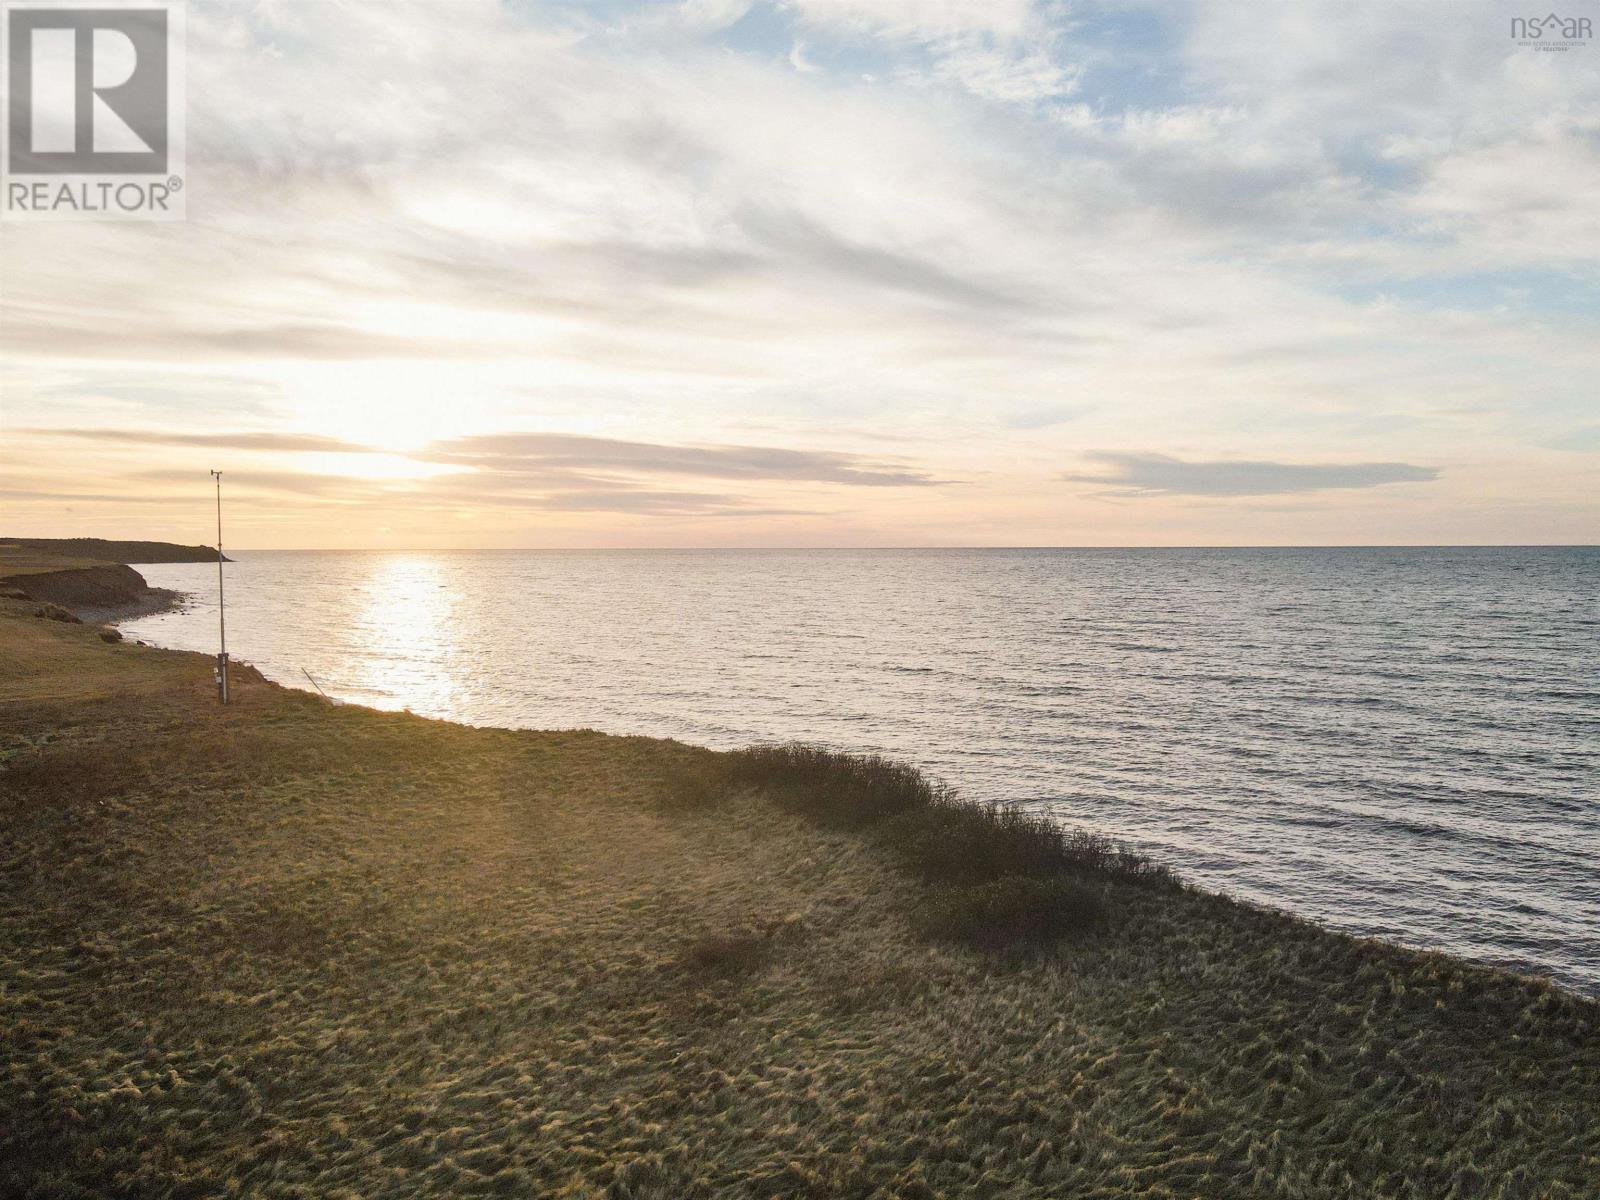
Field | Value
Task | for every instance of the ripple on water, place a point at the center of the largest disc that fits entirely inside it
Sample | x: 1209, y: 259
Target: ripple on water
x: 1399, y: 743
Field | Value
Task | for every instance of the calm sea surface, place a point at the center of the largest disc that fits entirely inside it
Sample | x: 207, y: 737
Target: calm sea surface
x: 1397, y: 742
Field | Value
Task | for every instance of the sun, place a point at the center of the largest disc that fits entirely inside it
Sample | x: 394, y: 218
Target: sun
x: 394, y: 407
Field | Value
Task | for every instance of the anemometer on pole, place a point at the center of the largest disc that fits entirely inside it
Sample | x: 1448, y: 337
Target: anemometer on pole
x: 222, y: 619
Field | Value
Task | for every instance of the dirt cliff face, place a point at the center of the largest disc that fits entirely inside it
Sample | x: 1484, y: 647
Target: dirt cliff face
x: 106, y: 587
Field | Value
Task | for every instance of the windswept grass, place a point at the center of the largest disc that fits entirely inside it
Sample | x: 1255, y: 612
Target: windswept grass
x: 288, y: 950
x: 1012, y: 910
x: 725, y: 953
x: 1006, y: 876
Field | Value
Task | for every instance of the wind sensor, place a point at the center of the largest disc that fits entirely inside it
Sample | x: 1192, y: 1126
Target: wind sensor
x: 222, y: 618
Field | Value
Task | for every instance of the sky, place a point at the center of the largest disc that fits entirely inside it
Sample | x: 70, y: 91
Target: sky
x: 502, y: 273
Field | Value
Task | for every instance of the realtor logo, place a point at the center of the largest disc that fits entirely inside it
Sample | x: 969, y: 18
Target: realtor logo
x: 94, y: 109
x: 1552, y: 32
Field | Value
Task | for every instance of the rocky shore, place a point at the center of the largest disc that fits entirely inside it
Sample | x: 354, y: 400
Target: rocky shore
x: 69, y: 573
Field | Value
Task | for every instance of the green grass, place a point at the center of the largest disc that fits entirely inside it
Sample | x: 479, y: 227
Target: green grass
x: 293, y: 950
x: 59, y: 553
x: 16, y: 561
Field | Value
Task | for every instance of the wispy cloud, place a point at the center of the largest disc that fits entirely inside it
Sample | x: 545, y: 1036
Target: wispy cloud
x: 262, y: 441
x: 1163, y: 475
x: 540, y: 453
x: 512, y: 472
x: 661, y: 502
x: 1011, y: 229
x: 547, y: 456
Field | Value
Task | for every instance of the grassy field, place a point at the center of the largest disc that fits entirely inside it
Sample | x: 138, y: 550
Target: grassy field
x: 18, y: 560
x: 86, y: 551
x: 294, y: 950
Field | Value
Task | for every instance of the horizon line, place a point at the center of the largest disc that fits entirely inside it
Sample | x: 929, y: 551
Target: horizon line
x: 828, y: 549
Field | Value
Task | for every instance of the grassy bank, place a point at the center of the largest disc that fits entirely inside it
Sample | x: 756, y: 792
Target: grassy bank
x: 287, y: 949
x: 90, y: 576
x: 89, y: 550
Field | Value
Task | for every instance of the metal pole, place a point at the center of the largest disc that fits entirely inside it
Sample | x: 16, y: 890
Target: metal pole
x: 222, y: 619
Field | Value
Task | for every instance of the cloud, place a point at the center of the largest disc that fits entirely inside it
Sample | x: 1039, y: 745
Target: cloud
x: 809, y: 246
x: 265, y: 441
x: 159, y: 340
x: 511, y: 472
x: 661, y: 502
x: 974, y: 220
x: 333, y: 488
x: 119, y: 499
x: 550, y: 458
x: 923, y: 20
x: 996, y: 50
x: 524, y: 492
x: 539, y: 454
x: 1044, y: 416
x: 1163, y: 475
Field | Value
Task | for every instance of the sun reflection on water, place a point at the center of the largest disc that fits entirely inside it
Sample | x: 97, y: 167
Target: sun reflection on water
x: 405, y: 616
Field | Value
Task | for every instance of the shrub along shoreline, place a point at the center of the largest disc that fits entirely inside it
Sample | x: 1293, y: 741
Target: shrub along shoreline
x: 997, y: 876
x: 287, y: 949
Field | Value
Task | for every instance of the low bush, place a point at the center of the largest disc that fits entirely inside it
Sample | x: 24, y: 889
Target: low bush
x: 1009, y: 876
x: 954, y: 842
x: 940, y: 836
x: 836, y: 789
x: 967, y: 843
x: 1012, y: 910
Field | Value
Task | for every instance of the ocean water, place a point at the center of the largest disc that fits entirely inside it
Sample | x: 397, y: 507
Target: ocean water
x: 1395, y: 742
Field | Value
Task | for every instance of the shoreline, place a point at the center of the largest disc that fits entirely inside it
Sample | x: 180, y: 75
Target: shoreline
x: 93, y: 578
x: 519, y: 961
x: 1513, y: 970
x: 91, y: 591
x: 155, y: 600
x: 165, y: 599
